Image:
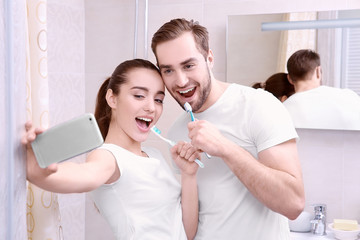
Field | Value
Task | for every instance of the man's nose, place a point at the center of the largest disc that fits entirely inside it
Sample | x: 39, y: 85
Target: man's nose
x: 181, y: 79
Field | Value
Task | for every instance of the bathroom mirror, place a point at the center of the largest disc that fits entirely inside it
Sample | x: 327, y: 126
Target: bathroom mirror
x: 254, y: 54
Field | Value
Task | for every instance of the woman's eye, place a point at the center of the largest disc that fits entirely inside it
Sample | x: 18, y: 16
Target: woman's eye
x: 159, y: 101
x: 138, y: 96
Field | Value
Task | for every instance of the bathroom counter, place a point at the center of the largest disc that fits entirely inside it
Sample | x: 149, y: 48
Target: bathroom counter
x: 310, y: 236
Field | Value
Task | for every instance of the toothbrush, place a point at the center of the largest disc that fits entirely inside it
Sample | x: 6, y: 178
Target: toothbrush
x: 188, y: 109
x: 157, y: 132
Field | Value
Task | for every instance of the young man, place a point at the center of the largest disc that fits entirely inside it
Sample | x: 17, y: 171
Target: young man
x: 253, y: 180
x: 317, y: 106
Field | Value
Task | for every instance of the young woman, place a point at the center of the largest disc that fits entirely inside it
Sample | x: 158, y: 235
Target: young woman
x: 278, y: 84
x: 132, y: 186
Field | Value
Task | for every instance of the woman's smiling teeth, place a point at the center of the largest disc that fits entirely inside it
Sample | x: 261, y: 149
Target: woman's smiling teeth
x: 143, y: 122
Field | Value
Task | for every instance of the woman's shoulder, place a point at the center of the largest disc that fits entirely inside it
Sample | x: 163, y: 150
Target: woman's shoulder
x: 110, y: 151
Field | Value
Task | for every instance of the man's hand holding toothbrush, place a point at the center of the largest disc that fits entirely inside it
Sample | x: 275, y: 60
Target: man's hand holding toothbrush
x: 207, y: 137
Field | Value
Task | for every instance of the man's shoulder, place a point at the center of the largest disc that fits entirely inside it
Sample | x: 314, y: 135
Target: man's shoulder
x: 236, y: 89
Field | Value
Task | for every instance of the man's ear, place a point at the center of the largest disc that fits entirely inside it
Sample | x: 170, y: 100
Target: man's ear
x: 210, y: 58
x: 318, y: 72
x: 289, y: 79
x: 111, y: 98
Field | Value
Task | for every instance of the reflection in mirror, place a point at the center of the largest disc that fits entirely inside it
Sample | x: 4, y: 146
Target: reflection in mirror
x: 254, y: 55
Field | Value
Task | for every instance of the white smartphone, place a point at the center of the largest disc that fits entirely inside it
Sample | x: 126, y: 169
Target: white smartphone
x: 67, y: 140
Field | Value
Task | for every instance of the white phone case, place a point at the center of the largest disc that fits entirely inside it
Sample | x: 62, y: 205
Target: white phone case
x: 67, y: 140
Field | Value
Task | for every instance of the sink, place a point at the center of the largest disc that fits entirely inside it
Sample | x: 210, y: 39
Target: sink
x: 311, y: 236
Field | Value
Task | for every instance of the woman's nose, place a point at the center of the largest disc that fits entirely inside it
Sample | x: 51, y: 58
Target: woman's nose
x: 150, y: 105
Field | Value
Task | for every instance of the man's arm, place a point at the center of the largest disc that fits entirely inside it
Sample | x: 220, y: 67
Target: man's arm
x: 275, y: 178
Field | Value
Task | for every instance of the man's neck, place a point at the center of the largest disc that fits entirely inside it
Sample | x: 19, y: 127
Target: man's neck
x: 217, y: 89
x: 305, y: 85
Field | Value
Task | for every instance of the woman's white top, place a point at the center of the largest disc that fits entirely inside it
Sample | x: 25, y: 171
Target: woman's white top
x: 144, y: 203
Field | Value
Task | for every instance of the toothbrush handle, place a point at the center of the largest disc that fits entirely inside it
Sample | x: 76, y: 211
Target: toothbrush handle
x: 193, y: 119
x: 201, y: 165
x: 192, y: 116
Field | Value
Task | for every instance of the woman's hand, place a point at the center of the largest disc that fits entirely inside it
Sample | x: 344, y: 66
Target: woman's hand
x: 184, y: 156
x: 33, y: 170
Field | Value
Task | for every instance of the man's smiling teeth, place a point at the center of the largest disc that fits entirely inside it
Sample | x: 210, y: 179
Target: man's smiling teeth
x: 186, y: 91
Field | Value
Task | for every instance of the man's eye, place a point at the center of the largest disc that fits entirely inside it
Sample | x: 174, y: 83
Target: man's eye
x: 138, y: 96
x: 167, y: 71
x: 188, y: 66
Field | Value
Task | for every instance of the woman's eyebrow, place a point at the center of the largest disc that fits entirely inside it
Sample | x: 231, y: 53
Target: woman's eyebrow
x: 147, y: 90
x: 140, y: 88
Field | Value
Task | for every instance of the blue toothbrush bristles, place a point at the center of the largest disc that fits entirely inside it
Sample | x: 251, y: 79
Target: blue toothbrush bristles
x: 156, y: 130
x: 187, y: 107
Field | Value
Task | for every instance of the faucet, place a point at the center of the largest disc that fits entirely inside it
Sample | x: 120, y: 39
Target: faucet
x: 318, y: 224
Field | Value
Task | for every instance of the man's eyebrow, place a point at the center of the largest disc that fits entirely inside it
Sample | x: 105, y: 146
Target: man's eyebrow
x: 188, y: 61
x: 164, y: 66
x: 182, y: 63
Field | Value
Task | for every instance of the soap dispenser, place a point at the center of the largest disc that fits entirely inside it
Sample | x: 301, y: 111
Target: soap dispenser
x: 318, y: 224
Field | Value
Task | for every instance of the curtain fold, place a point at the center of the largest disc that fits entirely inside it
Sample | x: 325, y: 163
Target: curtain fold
x: 293, y: 40
x: 43, y: 215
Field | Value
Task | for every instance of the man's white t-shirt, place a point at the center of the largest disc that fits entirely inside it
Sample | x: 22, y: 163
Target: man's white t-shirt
x: 144, y: 203
x: 255, y: 120
x: 325, y: 108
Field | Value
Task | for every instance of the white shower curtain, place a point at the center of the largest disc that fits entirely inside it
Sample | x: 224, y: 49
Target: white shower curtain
x: 43, y: 215
x: 294, y: 40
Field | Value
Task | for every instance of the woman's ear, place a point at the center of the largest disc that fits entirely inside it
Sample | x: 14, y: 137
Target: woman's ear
x: 111, y: 98
x: 283, y: 98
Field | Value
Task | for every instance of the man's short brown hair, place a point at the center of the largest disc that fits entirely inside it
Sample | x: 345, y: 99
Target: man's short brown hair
x: 176, y: 27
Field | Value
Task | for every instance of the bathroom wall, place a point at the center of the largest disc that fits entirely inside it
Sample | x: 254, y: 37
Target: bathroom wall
x: 109, y: 40
x: 330, y: 161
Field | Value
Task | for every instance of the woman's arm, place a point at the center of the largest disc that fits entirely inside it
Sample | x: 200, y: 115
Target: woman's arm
x: 68, y: 177
x: 189, y: 204
x: 184, y: 155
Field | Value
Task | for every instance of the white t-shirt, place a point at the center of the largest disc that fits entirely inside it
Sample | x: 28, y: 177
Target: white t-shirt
x: 145, y: 202
x: 255, y: 120
x: 325, y: 108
